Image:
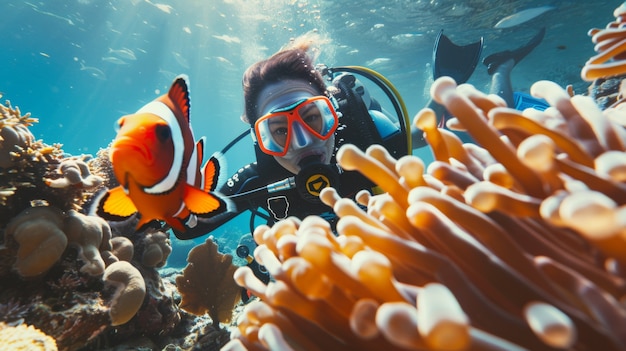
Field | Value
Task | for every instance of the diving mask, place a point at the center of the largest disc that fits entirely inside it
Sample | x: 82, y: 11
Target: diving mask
x: 276, y: 130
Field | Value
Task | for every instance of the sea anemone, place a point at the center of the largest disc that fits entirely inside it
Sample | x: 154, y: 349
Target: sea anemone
x: 610, y: 46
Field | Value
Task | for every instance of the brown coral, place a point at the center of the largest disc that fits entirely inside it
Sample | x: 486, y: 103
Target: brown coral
x: 42, y: 234
x: 74, y: 171
x: 91, y: 234
x: 39, y: 233
x: 130, y: 291
x: 122, y: 248
x: 25, y: 338
x: 14, y: 134
x: 157, y: 248
x: 207, y: 284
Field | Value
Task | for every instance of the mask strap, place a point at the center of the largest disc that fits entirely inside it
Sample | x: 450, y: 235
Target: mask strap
x: 253, y: 135
x: 335, y: 104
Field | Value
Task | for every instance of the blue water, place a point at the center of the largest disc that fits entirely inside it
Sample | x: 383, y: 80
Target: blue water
x: 80, y: 65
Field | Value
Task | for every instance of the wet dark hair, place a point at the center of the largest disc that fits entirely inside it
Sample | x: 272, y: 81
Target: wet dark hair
x: 286, y: 64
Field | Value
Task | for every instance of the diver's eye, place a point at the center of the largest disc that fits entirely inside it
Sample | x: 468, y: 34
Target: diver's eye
x: 163, y: 132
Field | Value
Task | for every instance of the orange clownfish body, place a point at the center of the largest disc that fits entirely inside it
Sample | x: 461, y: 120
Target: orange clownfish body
x: 157, y: 162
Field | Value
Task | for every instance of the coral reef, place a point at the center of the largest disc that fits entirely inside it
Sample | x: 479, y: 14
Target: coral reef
x: 207, y: 284
x: 41, y: 234
x: 25, y: 338
x: 73, y: 298
x: 515, y: 242
x: 60, y: 268
x: 29, y: 166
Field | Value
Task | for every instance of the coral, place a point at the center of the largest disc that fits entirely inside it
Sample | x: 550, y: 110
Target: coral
x: 74, y: 325
x: 25, y: 338
x: 38, y: 231
x: 101, y: 165
x: 68, y: 293
x: 42, y: 234
x: 35, y: 173
x: 130, y: 291
x: 91, y: 234
x: 12, y: 312
x: 65, y: 286
x: 516, y: 243
x: 73, y: 171
x: 158, y: 316
x: 156, y: 248
x: 24, y: 182
x: 5, y: 193
x: 207, y: 284
x: 14, y: 134
x: 122, y: 248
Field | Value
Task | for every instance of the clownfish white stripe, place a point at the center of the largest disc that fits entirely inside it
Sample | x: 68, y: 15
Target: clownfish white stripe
x: 182, y: 207
x: 192, y: 168
x: 160, y: 109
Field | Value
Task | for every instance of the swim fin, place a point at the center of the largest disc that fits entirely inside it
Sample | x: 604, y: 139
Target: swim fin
x: 456, y: 61
x: 494, y: 60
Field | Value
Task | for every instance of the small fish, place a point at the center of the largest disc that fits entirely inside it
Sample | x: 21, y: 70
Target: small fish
x: 227, y: 38
x: 36, y: 9
x: 379, y: 61
x: 114, y: 60
x: 168, y: 75
x: 157, y: 162
x: 123, y: 53
x: 181, y: 60
x: 93, y: 71
x: 522, y: 16
x: 163, y: 7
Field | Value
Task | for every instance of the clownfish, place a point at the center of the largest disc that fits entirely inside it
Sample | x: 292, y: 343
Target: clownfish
x: 156, y: 160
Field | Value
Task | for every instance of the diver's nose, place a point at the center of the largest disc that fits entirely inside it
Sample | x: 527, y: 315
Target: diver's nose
x: 301, y: 137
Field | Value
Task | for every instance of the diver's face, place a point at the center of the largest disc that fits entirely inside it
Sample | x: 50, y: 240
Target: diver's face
x: 320, y: 148
x: 302, y: 142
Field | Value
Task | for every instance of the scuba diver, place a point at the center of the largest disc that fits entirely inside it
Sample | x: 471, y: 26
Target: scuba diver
x: 299, y: 116
x: 459, y: 62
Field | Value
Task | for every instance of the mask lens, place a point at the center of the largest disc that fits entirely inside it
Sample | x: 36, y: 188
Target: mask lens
x: 318, y: 116
x: 274, y: 130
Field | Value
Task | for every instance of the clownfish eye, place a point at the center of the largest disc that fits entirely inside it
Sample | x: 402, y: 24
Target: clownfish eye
x: 163, y: 132
x: 119, y: 124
